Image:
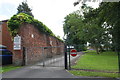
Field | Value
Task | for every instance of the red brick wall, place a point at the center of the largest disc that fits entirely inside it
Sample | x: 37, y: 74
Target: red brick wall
x: 58, y: 46
x: 6, y: 37
x: 38, y: 39
x: 33, y: 41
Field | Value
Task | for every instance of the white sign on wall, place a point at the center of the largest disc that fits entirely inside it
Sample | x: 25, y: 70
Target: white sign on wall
x: 50, y: 41
x: 17, y: 43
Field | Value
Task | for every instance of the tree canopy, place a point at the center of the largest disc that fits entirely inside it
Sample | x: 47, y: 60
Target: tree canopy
x: 24, y: 8
x: 100, y: 26
x: 72, y: 26
x: 109, y: 12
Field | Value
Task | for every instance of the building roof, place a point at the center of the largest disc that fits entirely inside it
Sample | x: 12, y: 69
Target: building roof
x: 4, y: 20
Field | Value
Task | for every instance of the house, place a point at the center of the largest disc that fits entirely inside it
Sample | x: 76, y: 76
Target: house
x: 5, y: 37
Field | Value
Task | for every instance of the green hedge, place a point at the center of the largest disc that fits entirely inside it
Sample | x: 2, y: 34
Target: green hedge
x: 16, y: 20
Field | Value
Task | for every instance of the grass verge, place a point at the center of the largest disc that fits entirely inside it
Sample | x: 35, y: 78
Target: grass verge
x: 106, y: 61
x: 94, y: 74
x: 8, y: 68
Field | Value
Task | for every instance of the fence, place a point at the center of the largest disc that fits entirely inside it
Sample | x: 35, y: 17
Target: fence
x: 52, y: 56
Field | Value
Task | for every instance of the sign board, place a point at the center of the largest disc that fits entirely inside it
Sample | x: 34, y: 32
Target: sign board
x: 17, y: 43
x: 50, y: 41
x: 73, y: 52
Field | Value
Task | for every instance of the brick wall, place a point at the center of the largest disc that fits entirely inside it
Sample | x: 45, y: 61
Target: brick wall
x: 5, y: 37
x: 33, y: 41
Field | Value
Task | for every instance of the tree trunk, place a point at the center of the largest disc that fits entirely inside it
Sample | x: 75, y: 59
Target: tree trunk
x: 97, y: 51
x: 101, y: 49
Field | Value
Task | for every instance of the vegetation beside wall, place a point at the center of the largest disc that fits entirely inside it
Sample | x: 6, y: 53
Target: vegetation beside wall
x: 16, y: 20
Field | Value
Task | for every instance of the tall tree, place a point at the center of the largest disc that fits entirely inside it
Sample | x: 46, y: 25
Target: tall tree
x: 24, y: 8
x: 72, y: 25
x: 110, y: 13
x: 93, y: 31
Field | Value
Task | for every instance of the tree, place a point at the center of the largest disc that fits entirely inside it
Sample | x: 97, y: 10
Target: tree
x: 72, y: 25
x: 24, y: 8
x: 110, y: 13
x: 93, y: 31
x: 94, y: 27
x: 81, y: 29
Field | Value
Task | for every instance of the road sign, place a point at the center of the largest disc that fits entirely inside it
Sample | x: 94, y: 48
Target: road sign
x: 73, y: 52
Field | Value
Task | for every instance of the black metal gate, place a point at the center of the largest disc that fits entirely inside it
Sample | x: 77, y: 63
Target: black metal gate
x: 52, y: 56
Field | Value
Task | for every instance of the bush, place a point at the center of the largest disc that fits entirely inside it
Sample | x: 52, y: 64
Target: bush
x: 16, y: 20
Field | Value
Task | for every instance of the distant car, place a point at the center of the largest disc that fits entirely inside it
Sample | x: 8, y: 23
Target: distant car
x: 5, y: 55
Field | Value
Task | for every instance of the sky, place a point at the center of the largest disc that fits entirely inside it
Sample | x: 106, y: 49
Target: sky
x: 50, y: 12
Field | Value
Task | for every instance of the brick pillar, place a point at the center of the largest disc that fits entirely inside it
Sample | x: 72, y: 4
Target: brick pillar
x: 18, y: 54
x: 17, y: 58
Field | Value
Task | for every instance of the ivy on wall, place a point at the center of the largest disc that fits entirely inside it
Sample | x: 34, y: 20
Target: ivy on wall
x: 17, y: 20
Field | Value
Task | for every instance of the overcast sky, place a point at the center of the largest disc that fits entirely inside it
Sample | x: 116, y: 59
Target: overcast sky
x: 50, y: 12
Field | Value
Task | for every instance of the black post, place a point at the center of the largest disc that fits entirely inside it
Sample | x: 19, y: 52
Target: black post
x: 69, y: 58
x: 118, y: 52
x: 65, y: 57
